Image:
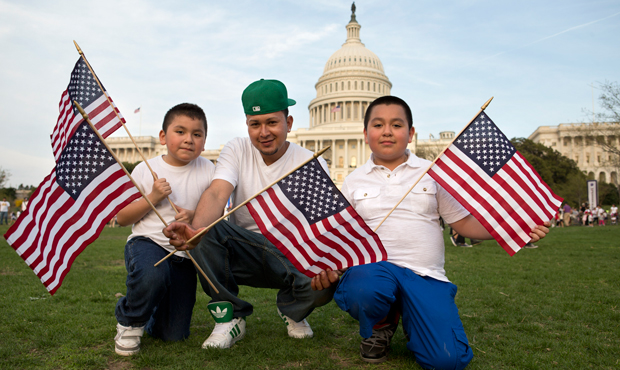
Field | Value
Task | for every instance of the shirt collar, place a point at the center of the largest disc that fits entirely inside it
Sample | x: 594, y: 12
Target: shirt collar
x: 412, y: 161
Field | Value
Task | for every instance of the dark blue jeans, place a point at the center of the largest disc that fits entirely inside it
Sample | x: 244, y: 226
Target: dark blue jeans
x: 231, y: 256
x: 162, y: 297
x: 4, y: 218
x: 430, y: 316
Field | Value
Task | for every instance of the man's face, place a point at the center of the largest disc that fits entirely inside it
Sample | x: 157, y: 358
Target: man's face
x: 268, y: 134
x: 388, y: 134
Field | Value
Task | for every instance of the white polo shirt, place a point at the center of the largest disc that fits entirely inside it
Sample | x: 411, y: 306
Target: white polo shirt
x: 411, y: 234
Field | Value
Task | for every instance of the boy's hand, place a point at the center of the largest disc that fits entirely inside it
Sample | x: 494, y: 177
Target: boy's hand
x: 539, y: 232
x: 179, y: 233
x: 326, y: 278
x: 184, y: 215
x: 161, y: 189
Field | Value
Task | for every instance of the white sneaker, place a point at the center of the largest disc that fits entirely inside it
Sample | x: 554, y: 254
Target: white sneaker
x: 127, y: 340
x: 225, y: 334
x: 295, y: 329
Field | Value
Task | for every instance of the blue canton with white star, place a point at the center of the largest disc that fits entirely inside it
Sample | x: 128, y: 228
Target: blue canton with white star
x: 83, y: 159
x: 485, y: 144
x: 312, y: 191
x: 83, y: 87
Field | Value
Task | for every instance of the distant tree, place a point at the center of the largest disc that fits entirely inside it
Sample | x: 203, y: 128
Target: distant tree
x: 130, y: 166
x: 558, y: 171
x: 4, y: 176
x: 608, y: 194
x: 605, y: 129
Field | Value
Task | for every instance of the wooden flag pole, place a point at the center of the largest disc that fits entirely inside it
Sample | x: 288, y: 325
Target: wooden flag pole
x: 484, y: 106
x: 119, y: 118
x: 87, y: 119
x: 204, y: 231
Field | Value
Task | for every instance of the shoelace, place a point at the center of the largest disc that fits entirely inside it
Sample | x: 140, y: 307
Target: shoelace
x: 379, y: 337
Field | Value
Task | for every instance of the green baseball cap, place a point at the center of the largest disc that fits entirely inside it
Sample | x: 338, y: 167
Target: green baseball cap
x: 265, y: 96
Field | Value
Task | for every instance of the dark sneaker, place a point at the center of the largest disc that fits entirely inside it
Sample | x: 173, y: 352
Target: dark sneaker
x: 376, y: 348
x: 453, y: 240
x: 530, y: 246
x: 464, y: 245
x: 475, y: 241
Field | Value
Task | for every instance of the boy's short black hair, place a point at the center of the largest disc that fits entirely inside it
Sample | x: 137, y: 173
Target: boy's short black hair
x: 185, y: 109
x: 388, y: 100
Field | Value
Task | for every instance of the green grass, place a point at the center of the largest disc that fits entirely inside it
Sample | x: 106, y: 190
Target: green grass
x: 555, y: 307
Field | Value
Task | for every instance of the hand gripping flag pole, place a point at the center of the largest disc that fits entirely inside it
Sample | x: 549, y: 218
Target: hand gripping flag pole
x: 83, y: 113
x: 121, y: 119
x: 204, y: 231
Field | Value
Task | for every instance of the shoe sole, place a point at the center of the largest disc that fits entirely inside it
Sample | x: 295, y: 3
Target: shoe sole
x: 123, y: 352
x: 235, y: 340
x: 374, y: 360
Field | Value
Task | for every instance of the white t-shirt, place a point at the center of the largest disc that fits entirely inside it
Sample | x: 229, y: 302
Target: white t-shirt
x: 411, y: 235
x: 187, y: 184
x: 4, y: 206
x: 613, y: 210
x: 242, y: 165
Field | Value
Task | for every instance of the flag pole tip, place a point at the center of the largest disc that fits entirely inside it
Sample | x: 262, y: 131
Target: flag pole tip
x: 487, y: 103
x: 77, y: 47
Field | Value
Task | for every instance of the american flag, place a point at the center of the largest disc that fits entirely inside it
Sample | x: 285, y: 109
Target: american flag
x: 307, y: 218
x: 84, y: 89
x: 137, y: 110
x: 496, y: 184
x: 336, y: 109
x: 70, y: 207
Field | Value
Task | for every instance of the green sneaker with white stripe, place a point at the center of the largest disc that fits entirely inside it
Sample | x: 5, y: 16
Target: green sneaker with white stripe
x: 227, y: 330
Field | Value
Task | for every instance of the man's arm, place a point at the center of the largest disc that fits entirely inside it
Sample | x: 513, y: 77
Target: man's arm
x: 210, y: 208
x: 212, y: 203
x: 470, y: 227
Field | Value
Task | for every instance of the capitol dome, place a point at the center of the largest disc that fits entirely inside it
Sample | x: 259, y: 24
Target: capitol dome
x: 352, y: 78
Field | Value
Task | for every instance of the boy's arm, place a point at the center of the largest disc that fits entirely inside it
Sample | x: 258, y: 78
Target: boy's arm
x: 210, y: 208
x: 470, y: 227
x: 134, y: 212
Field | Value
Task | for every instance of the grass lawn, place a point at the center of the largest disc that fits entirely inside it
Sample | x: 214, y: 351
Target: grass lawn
x: 557, y: 306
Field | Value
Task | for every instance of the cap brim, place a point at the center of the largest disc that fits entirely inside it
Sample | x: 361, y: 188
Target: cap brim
x: 291, y: 102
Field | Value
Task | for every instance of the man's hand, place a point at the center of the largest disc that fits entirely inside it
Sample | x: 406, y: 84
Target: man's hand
x: 326, y: 278
x: 539, y: 232
x: 184, y: 215
x: 179, y: 233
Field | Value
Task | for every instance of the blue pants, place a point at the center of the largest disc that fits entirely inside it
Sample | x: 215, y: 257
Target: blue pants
x: 4, y: 218
x: 430, y: 316
x: 231, y: 256
x: 162, y: 297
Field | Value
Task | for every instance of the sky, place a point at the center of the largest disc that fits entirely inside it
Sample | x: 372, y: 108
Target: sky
x: 541, y: 61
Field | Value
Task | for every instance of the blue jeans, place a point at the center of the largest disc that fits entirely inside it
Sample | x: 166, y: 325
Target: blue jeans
x: 430, y: 316
x: 162, y: 297
x: 4, y: 218
x: 231, y: 256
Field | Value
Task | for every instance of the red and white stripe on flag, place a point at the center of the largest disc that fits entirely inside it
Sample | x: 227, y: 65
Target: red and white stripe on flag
x: 329, y: 235
x: 503, y: 192
x: 101, y: 111
x: 55, y: 228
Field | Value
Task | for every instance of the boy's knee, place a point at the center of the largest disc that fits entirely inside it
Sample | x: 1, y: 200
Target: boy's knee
x: 453, y: 355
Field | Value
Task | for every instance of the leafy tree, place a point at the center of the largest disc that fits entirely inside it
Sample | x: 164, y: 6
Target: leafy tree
x: 608, y: 193
x: 4, y: 176
x: 130, y: 166
x: 558, y: 171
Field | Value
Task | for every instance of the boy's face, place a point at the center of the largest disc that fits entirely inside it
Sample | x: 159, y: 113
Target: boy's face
x: 185, y: 140
x: 388, y: 134
x: 268, y: 134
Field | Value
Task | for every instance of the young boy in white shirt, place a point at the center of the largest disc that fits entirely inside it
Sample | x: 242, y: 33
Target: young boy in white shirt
x: 412, y: 282
x: 160, y: 299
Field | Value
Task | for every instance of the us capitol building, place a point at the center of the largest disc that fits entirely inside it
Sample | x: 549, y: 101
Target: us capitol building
x: 352, y: 78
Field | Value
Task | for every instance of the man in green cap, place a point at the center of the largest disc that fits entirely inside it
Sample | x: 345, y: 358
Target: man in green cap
x: 234, y: 253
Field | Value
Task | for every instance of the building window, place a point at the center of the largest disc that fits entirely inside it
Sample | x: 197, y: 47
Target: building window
x: 355, y: 85
x: 353, y: 162
x: 340, y: 161
x: 342, y: 85
x: 339, y: 177
x: 352, y: 146
x: 340, y: 146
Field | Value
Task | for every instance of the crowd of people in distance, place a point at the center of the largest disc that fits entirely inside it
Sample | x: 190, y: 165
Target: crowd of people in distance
x: 585, y: 216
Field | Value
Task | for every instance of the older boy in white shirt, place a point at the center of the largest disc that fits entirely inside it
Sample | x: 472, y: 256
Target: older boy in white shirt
x: 412, y: 282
